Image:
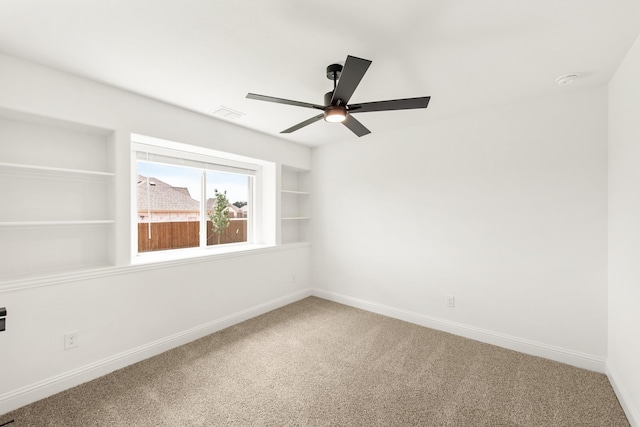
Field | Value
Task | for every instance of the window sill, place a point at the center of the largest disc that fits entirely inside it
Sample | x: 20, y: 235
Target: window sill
x: 191, y: 253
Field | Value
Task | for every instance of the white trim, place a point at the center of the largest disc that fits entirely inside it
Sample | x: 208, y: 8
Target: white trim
x: 628, y: 405
x: 301, y: 193
x: 534, y: 348
x: 33, y: 392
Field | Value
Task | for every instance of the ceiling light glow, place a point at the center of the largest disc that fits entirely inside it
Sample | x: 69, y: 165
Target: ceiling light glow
x: 335, y: 114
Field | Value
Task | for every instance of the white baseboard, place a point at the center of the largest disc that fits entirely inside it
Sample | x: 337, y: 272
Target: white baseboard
x: 33, y: 392
x: 559, y: 354
x: 628, y: 405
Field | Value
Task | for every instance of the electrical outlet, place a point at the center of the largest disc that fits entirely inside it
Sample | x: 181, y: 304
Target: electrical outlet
x: 71, y: 340
x: 451, y: 301
x: 293, y: 278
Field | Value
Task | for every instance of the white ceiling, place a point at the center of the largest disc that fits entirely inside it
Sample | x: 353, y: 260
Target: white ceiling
x: 201, y: 54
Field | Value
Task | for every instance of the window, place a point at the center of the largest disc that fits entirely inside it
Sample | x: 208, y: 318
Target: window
x: 193, y: 197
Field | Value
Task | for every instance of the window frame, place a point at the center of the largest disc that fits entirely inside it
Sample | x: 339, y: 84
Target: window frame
x: 260, y: 233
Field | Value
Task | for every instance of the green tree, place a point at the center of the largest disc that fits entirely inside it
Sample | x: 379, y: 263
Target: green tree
x: 220, y: 215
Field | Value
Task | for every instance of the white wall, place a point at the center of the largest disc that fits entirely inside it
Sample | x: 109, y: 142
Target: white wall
x: 131, y: 312
x: 505, y: 209
x: 623, y: 364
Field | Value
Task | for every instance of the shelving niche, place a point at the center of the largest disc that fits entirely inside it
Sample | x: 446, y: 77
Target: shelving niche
x: 295, y: 205
x: 57, y: 196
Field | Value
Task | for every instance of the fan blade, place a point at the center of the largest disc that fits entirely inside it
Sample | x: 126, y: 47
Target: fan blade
x: 303, y: 124
x: 283, y: 101
x: 396, y: 104
x: 355, y: 126
x: 352, y: 72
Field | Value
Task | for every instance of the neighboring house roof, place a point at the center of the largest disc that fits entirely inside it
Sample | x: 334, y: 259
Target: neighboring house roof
x: 163, y: 197
x: 184, y: 190
x: 212, y: 202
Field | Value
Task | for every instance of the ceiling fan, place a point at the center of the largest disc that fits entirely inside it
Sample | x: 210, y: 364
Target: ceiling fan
x: 336, y: 108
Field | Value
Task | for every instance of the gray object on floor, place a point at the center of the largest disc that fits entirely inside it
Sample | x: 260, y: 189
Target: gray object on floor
x: 318, y: 363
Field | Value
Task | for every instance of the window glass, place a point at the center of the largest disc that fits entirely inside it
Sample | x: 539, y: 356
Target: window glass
x: 227, y: 194
x: 186, y: 204
x: 168, y: 206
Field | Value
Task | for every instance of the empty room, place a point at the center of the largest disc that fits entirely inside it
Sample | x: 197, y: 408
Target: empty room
x: 363, y: 213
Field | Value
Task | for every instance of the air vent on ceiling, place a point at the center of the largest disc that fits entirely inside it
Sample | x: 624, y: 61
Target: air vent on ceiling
x: 227, y: 113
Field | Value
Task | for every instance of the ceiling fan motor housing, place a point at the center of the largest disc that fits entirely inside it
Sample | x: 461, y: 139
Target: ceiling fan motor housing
x: 334, y: 68
x: 327, y: 98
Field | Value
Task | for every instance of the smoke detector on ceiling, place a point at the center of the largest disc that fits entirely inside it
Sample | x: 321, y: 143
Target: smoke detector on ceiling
x: 567, y: 79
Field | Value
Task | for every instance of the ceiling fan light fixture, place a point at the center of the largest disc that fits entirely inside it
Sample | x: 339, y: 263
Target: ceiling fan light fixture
x: 336, y: 107
x: 335, y: 114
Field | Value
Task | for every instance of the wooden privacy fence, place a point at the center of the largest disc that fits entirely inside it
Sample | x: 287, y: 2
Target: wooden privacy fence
x: 174, y: 235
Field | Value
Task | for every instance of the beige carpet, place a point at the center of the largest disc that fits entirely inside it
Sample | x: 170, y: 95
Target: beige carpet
x: 318, y: 363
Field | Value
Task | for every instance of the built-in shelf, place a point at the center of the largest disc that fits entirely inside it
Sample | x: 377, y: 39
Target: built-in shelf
x: 294, y: 205
x: 57, y: 196
x: 36, y: 168
x: 54, y: 223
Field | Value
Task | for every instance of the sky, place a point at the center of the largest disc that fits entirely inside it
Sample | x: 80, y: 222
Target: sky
x: 236, y: 185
